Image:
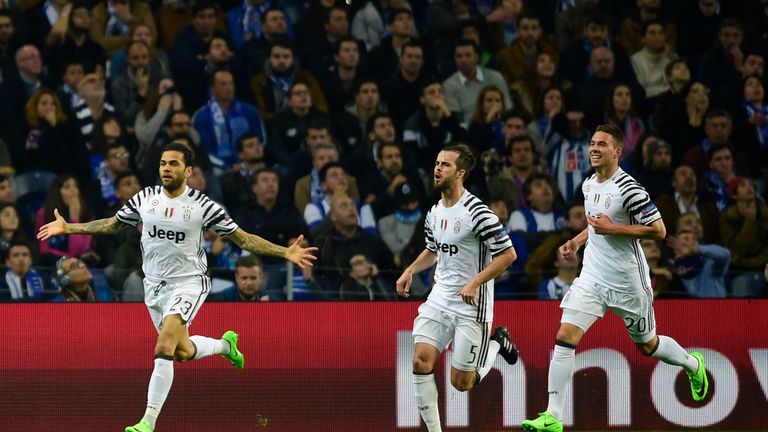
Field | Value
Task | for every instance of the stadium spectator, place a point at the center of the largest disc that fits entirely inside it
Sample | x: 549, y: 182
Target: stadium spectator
x: 195, y: 84
x: 650, y: 62
x: 50, y: 143
x: 321, y: 49
x: 685, y: 199
x: 719, y: 67
x: 656, y: 172
x: 751, y: 121
x: 744, y: 230
x: 252, y: 55
x: 462, y: 88
x: 384, y: 183
x: 289, y: 127
x: 188, y: 55
x: 699, y: 24
x: 129, y: 89
x: 114, y: 161
x: 333, y: 181
x: 71, y: 74
x: 670, y: 111
x: 75, y: 281
x: 113, y: 20
x: 718, y: 127
x: 268, y: 216
x: 397, y: 229
x: 383, y: 56
x: 272, y: 86
x: 718, y: 182
x: 567, y: 151
x: 308, y: 188
x: 64, y: 197
x: 570, y: 23
x: 10, y: 228
x: 21, y: 282
x: 540, y: 215
x: 526, y: 92
x: 371, y: 26
x: 485, y: 126
x: 351, y: 122
x: 344, y: 239
x: 18, y: 87
x: 304, y: 284
x: 508, y: 183
x: 513, y: 123
x: 432, y: 127
x: 72, y: 42
x: 732, y: 95
x: 158, y: 59
x: 7, y: 194
x: 236, y: 183
x: 661, y: 275
x: 9, y: 43
x: 249, y: 281
x: 521, y: 54
x: 45, y: 21
x: 620, y: 110
x: 223, y: 120
x: 576, y: 62
x: 92, y: 106
x: 338, y: 78
x: 540, y: 261
x: 6, y: 163
x: 402, y: 90
x: 365, y: 283
x: 633, y: 28
x: 549, y: 105
x: 700, y: 267
x: 252, y: 19
x: 558, y: 286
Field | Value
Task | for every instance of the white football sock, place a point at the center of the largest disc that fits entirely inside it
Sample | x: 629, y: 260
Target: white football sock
x: 493, y: 350
x: 159, y: 386
x: 209, y: 346
x: 560, y: 371
x: 669, y: 351
x: 426, y: 400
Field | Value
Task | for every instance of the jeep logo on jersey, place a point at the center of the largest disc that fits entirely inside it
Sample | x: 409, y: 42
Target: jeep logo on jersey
x: 450, y: 249
x: 175, y: 236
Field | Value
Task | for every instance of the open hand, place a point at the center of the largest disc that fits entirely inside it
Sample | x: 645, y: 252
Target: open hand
x: 301, y: 256
x: 51, y: 229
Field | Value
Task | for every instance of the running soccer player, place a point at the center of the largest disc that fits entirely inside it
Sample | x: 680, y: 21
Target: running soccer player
x: 174, y: 218
x: 614, y: 276
x: 471, y: 248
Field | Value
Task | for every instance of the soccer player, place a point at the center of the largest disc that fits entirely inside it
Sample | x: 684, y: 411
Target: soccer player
x: 614, y: 276
x: 174, y: 217
x: 471, y: 248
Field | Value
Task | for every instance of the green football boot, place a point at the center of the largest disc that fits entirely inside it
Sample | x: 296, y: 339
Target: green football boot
x: 545, y: 422
x: 141, y: 426
x: 698, y: 379
x: 235, y: 356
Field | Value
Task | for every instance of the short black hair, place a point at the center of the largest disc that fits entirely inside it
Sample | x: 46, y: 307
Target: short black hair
x: 427, y: 82
x: 282, y: 42
x: 380, y: 149
x: 529, y: 15
x: 528, y: 184
x: 243, y: 138
x: 189, y: 155
x: 324, y: 170
x: 320, y: 122
x: 371, y: 123
x: 466, y: 160
x: 597, y: 17
x: 124, y: 175
x: 412, y: 44
x: 358, y: 84
x: 271, y: 9
x: 614, y: 131
x: 718, y: 148
x: 518, y: 139
x: 347, y: 38
x: 203, y: 5
x: 395, y: 12
x: 516, y: 112
x: 467, y: 42
x: 718, y: 112
x: 213, y: 73
x: 649, y: 23
x: 263, y: 170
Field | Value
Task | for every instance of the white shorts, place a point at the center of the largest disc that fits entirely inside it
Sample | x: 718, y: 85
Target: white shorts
x: 183, y: 296
x: 439, y: 328
x: 593, y: 299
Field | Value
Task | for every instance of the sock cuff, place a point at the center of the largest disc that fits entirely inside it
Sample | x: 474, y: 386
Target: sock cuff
x: 422, y: 378
x: 559, y: 343
x: 656, y: 347
x: 163, y: 357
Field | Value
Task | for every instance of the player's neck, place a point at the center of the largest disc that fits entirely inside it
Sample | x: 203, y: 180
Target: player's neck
x: 452, y: 195
x: 606, y: 172
x: 174, y: 193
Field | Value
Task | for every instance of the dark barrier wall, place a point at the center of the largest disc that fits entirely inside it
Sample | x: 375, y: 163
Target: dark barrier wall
x: 346, y: 367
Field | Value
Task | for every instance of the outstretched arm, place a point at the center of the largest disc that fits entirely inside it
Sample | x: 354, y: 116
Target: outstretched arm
x: 60, y: 226
x: 296, y: 254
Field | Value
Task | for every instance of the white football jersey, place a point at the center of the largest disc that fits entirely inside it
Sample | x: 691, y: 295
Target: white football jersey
x: 617, y: 261
x: 465, y: 237
x: 172, y: 234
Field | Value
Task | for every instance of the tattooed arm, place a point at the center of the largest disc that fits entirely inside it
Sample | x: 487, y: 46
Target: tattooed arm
x: 257, y: 245
x: 60, y: 226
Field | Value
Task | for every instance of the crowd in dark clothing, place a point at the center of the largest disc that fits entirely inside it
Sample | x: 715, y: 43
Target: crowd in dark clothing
x: 324, y: 118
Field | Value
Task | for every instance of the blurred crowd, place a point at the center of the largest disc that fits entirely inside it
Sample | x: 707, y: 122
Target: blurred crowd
x: 324, y: 118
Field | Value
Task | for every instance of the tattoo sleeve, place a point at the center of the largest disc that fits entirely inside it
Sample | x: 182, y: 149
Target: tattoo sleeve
x: 99, y: 226
x: 256, y: 244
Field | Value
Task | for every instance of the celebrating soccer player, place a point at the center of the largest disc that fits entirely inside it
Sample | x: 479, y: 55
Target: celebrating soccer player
x: 175, y: 285
x: 614, y: 276
x: 471, y: 248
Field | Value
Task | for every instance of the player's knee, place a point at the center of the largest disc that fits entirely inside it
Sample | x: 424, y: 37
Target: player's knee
x: 462, y: 384
x: 421, y: 365
x: 165, y: 346
x: 182, y: 356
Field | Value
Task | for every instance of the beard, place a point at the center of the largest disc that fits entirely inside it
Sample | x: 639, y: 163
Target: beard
x: 174, y: 184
